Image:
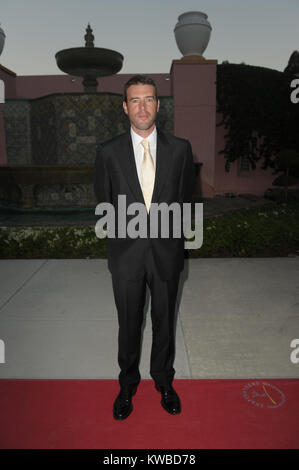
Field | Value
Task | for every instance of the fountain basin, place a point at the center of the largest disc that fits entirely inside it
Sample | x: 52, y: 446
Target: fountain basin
x: 95, y: 61
x: 34, y: 186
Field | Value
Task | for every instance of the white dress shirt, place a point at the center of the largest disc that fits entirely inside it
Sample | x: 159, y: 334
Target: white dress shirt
x: 139, y: 150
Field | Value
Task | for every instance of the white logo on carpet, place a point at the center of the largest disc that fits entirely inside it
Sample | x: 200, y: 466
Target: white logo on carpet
x: 263, y: 395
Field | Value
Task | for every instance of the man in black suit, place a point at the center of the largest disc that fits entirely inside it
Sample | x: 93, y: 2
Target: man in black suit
x: 145, y: 166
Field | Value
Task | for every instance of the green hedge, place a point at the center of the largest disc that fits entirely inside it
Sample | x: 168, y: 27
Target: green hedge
x: 272, y: 230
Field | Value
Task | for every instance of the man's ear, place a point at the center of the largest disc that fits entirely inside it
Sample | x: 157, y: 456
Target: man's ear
x: 158, y: 106
x: 125, y: 107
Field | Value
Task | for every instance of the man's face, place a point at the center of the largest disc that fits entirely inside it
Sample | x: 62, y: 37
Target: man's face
x: 141, y: 107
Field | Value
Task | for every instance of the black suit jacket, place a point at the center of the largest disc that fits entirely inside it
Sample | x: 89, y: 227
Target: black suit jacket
x: 115, y: 174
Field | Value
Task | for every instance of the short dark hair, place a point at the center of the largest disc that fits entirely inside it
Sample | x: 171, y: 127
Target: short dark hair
x: 135, y: 80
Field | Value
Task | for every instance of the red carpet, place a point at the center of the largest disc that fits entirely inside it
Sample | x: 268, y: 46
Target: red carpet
x: 216, y: 414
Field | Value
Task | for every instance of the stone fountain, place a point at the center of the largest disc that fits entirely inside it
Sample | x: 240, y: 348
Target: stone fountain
x: 89, y: 62
x: 61, y: 133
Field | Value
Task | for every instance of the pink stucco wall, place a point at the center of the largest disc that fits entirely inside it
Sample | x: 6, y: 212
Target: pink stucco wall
x: 9, y: 79
x: 194, y: 92
x: 34, y: 86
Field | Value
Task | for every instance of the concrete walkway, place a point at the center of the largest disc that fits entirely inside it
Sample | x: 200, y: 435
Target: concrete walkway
x: 236, y: 319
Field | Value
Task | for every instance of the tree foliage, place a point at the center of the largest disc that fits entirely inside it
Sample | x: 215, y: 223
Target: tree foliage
x: 257, y: 113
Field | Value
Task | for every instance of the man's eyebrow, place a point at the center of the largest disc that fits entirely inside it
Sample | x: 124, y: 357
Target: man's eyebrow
x: 139, y: 97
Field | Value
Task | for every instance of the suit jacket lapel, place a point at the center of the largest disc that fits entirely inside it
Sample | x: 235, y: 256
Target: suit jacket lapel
x: 163, y: 164
x: 127, y: 162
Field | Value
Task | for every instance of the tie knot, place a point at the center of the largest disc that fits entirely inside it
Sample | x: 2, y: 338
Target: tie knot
x: 145, y: 144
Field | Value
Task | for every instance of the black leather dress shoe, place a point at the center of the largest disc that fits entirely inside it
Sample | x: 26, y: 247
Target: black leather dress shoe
x: 123, y: 404
x: 170, y: 399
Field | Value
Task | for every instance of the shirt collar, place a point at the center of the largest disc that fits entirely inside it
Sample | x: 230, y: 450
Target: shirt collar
x: 136, y: 138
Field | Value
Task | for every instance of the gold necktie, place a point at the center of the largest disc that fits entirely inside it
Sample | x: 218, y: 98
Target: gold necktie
x: 147, y: 174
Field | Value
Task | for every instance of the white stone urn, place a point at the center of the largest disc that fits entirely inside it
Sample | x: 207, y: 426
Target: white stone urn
x: 2, y: 40
x: 192, y: 33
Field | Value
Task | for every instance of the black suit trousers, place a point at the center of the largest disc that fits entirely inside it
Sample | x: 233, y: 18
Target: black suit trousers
x: 130, y: 296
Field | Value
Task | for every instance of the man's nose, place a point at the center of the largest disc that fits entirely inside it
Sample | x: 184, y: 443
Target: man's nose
x: 142, y: 104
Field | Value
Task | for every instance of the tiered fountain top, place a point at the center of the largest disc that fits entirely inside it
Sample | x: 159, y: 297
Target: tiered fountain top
x: 89, y: 62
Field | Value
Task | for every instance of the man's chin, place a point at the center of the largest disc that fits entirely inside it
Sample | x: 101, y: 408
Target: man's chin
x: 143, y: 126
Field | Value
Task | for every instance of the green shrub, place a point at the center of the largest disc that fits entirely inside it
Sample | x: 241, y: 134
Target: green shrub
x: 271, y: 230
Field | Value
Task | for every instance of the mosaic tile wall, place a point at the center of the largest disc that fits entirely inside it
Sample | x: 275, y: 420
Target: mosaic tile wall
x: 66, y: 128
x: 17, y: 124
x: 63, y: 129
